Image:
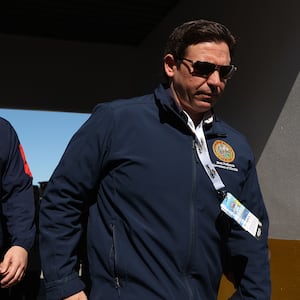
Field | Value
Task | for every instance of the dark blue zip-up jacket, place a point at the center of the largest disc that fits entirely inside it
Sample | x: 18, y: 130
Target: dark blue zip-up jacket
x: 155, y: 229
x: 17, y: 202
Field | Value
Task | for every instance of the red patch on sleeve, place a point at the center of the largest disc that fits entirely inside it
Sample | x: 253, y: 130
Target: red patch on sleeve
x: 26, y: 166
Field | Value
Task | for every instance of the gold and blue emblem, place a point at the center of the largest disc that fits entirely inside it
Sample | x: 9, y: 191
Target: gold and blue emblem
x: 223, y: 151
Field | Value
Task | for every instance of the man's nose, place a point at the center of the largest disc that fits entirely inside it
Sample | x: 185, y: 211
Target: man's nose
x: 214, y: 78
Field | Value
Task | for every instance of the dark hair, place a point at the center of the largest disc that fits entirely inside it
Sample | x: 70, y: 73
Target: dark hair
x: 197, y: 31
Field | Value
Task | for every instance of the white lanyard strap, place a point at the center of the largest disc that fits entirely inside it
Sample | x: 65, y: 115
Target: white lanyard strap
x: 203, y: 154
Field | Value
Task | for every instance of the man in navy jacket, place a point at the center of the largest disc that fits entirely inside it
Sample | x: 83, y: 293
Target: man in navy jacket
x: 156, y: 174
x: 17, y: 227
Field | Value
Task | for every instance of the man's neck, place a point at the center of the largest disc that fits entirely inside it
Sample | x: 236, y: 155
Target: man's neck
x: 196, y: 118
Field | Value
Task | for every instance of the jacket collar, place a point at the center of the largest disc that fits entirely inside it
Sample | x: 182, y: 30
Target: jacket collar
x: 164, y: 95
x: 212, y: 124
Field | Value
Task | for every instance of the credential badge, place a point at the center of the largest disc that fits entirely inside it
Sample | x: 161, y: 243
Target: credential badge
x: 223, y: 151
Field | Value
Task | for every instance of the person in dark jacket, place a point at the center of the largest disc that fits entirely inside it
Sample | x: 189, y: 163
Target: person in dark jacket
x: 17, y: 210
x: 171, y: 190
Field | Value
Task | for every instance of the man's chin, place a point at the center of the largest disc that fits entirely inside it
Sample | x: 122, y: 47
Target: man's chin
x: 204, y: 106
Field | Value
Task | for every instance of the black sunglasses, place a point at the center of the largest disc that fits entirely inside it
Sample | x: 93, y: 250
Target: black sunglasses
x: 204, y: 69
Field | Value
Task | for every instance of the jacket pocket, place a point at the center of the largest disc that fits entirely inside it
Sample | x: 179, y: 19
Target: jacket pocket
x: 117, y: 263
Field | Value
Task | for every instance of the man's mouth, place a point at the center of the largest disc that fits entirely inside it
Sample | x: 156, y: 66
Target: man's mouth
x: 205, y: 97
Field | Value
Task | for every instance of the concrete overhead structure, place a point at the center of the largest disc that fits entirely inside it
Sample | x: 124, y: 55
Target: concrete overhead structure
x: 262, y: 100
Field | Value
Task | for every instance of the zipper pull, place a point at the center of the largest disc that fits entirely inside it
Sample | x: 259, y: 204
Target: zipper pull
x: 117, y: 284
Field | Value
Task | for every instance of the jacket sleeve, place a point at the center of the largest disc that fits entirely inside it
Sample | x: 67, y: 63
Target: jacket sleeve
x: 249, y: 257
x: 17, y: 197
x: 71, y: 188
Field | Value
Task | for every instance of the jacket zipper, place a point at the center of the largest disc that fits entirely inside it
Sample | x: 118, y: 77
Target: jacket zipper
x: 192, y: 222
x: 116, y: 275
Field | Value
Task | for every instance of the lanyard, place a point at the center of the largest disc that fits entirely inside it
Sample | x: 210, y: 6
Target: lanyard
x: 203, y: 154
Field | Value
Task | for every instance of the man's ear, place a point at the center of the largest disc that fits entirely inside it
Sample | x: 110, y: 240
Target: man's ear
x: 169, y: 65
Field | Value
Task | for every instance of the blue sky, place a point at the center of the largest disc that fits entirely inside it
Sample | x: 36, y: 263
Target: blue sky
x: 44, y: 137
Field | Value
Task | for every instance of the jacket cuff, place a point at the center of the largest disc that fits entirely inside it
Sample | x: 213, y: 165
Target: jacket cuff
x: 64, y: 288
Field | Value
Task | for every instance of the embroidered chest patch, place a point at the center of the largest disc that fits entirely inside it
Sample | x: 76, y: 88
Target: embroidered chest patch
x: 223, y: 151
